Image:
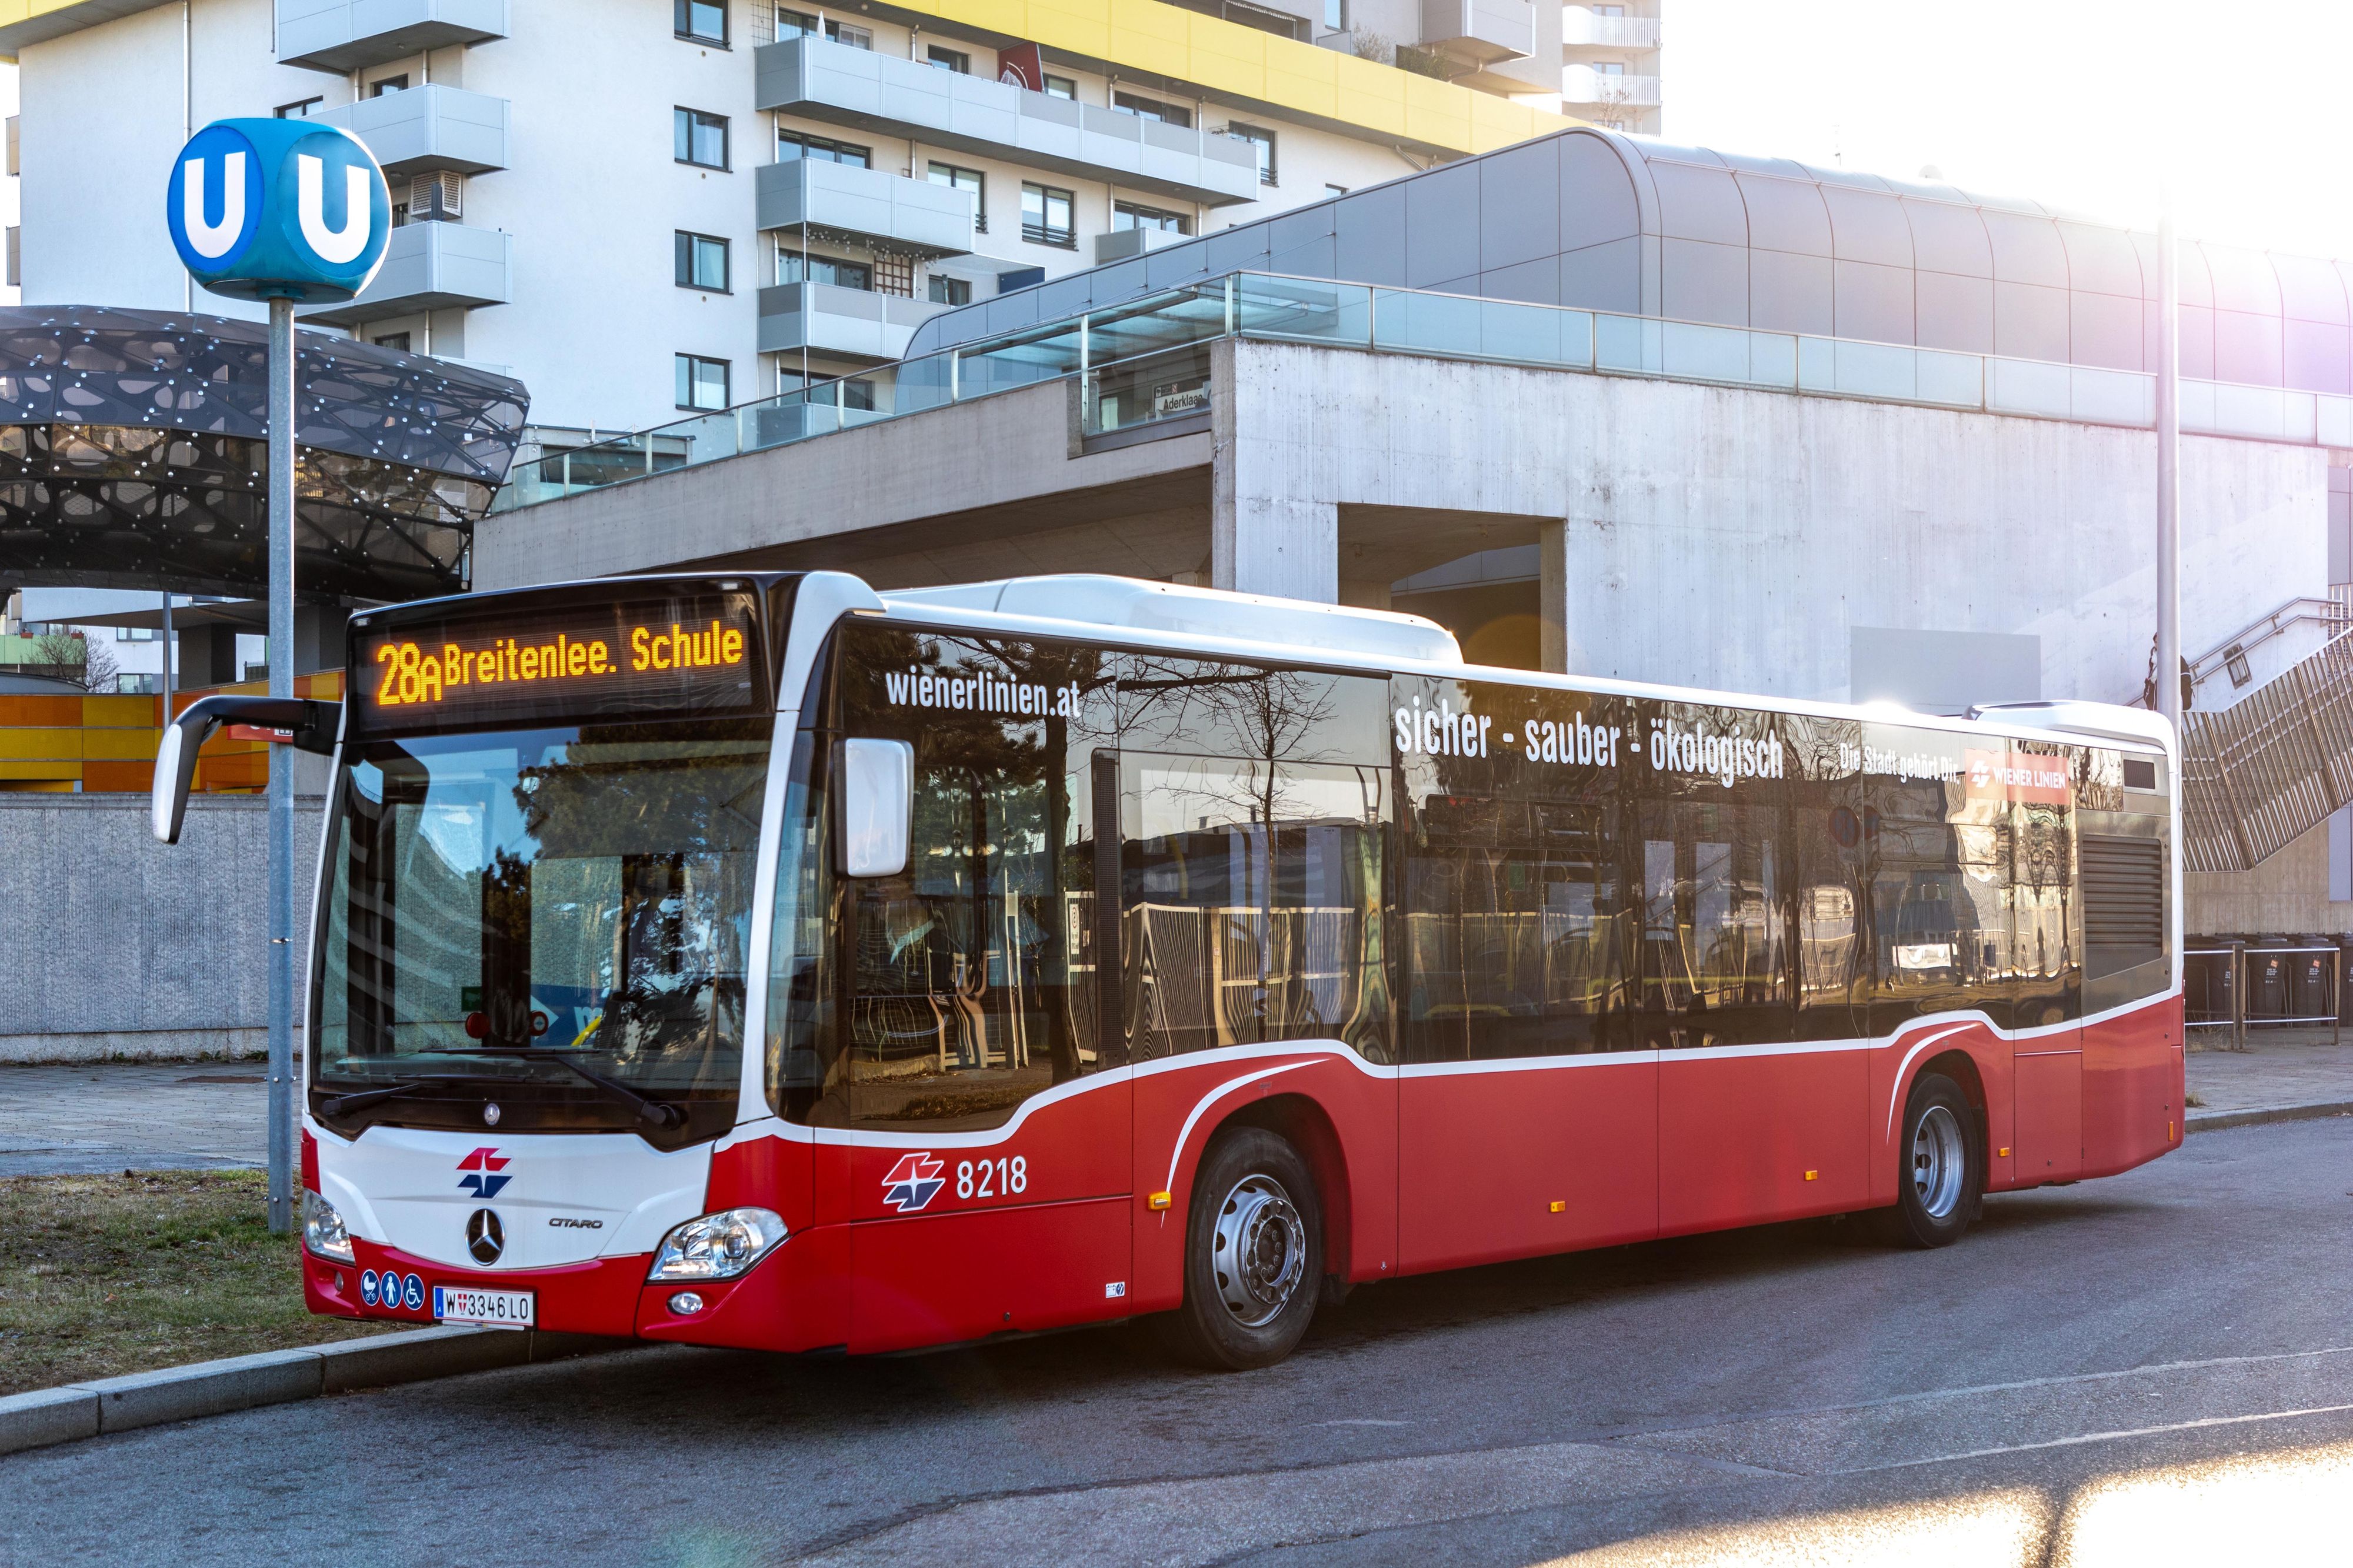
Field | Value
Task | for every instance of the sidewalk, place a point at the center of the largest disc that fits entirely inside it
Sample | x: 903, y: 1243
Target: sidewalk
x: 2281, y: 1068
x: 149, y: 1116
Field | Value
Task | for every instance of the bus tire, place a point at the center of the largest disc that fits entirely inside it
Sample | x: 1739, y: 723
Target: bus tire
x: 1253, y: 1200
x: 1940, y: 1174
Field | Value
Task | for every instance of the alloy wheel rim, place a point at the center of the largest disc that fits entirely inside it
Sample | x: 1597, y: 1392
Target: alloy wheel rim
x: 1939, y: 1158
x: 1258, y: 1250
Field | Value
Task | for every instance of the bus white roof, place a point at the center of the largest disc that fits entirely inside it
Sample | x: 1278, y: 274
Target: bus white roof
x: 1196, y: 612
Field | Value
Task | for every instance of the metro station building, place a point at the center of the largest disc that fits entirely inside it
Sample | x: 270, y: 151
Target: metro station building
x: 1603, y: 405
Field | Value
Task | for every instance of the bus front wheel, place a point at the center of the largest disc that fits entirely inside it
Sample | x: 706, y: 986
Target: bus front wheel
x: 1943, y: 1170
x: 1253, y: 1253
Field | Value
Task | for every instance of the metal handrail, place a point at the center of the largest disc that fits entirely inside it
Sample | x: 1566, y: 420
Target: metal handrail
x: 2235, y: 978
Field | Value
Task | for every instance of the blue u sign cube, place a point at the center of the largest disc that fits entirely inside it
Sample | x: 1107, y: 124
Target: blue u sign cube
x: 264, y: 208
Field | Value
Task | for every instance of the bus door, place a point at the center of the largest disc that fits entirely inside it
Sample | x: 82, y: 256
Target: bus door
x: 2047, y: 1046
x: 985, y: 1170
x: 1528, y: 1108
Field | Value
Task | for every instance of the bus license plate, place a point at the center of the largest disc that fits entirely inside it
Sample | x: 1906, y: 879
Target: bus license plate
x: 491, y: 1308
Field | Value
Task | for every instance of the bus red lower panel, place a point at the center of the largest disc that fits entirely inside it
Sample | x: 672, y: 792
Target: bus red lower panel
x: 2047, y: 1087
x: 795, y: 1298
x: 1743, y: 1139
x: 944, y: 1278
x: 2133, y: 1084
x: 1513, y: 1164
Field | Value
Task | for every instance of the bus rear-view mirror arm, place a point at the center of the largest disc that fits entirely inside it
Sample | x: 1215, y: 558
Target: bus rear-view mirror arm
x: 875, y: 796
x: 310, y: 725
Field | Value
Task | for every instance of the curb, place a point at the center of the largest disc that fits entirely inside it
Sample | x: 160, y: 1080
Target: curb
x: 50, y: 1415
x: 2223, y: 1121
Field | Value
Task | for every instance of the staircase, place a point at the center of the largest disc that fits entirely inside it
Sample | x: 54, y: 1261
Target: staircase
x: 2259, y: 774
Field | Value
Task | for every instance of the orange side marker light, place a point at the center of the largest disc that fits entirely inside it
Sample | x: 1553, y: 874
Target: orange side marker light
x: 2005, y: 1150
x: 1810, y: 1175
x: 1558, y: 1206
x: 1160, y: 1200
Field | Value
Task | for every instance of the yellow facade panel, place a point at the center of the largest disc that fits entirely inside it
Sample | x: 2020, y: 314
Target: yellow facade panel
x: 119, y: 712
x: 53, y: 745
x: 118, y: 745
x: 14, y: 770
x: 1226, y: 59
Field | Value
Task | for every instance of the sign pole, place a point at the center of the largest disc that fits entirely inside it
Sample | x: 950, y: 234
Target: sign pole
x: 280, y: 211
x: 2168, y: 466
x: 281, y: 767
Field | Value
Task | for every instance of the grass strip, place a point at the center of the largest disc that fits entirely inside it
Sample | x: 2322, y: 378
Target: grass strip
x: 105, y: 1275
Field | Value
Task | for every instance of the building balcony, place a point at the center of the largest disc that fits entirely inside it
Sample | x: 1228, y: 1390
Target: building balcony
x: 1587, y: 34
x: 430, y: 267
x: 847, y: 323
x: 428, y: 128
x: 1478, y: 32
x: 1583, y: 88
x: 1119, y: 244
x: 342, y: 35
x: 834, y: 83
x: 864, y: 205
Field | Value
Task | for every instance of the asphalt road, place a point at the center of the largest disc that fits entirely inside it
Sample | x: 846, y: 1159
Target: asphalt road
x: 2157, y: 1367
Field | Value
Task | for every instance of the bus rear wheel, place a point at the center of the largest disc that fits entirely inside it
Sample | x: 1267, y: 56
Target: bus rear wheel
x: 1943, y: 1168
x: 1253, y: 1253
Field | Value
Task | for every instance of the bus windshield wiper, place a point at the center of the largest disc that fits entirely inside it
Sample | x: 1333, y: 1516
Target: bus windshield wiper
x: 658, y: 1112
x: 345, y: 1104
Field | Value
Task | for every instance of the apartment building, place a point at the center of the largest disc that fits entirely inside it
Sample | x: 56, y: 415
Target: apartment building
x: 644, y: 207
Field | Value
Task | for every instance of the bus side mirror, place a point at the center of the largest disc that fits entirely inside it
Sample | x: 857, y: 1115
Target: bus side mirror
x: 874, y: 800
x: 311, y: 726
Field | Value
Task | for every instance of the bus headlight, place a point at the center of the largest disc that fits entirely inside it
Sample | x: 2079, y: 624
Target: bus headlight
x: 323, y: 1229
x: 717, y: 1246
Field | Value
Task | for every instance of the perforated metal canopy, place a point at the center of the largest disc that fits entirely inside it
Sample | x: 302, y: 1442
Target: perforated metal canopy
x: 133, y: 454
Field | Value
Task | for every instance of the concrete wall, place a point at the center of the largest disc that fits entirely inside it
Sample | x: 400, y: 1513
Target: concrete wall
x: 1723, y: 536
x: 2287, y: 894
x: 118, y: 945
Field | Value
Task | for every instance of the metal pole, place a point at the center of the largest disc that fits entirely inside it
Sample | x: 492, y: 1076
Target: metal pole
x: 2168, y: 466
x: 167, y: 657
x: 282, y: 768
x: 2238, y: 995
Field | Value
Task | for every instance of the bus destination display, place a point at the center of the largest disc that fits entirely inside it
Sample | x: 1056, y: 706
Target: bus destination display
x: 671, y: 657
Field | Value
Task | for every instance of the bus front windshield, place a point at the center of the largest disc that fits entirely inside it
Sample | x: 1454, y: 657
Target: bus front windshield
x: 508, y: 907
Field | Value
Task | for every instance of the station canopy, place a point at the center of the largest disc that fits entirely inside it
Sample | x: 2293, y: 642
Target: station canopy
x: 134, y: 455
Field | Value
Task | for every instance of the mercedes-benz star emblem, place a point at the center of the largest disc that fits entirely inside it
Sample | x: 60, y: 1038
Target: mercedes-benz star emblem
x: 485, y: 1238
x: 490, y: 1114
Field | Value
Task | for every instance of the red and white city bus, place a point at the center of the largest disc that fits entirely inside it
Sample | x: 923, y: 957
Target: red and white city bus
x: 763, y: 961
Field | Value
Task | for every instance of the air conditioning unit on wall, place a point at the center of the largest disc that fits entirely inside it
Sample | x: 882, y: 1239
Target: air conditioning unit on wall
x: 438, y: 197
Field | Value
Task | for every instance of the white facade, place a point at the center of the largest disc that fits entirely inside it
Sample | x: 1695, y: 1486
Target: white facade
x: 554, y: 142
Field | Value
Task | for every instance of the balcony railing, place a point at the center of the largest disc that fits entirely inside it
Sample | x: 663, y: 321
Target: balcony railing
x: 1584, y: 85
x: 1581, y: 29
x: 1478, y: 32
x: 1145, y: 364
x: 945, y: 111
x: 431, y: 267
x: 342, y: 35
x: 864, y: 203
x: 431, y: 126
x: 826, y: 319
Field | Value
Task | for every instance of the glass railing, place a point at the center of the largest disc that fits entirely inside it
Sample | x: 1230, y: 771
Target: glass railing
x: 1146, y: 362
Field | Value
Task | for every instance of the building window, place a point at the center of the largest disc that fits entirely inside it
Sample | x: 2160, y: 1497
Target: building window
x: 796, y: 24
x: 299, y: 110
x: 701, y: 262
x: 792, y: 146
x: 699, y: 138
x: 955, y: 60
x: 946, y: 290
x: 396, y: 341
x: 1264, y: 141
x: 969, y: 180
x: 704, y: 21
x: 702, y: 383
x: 1046, y: 217
x: 894, y: 273
x: 1130, y: 214
x: 1062, y: 87
x: 843, y: 33
x: 1152, y: 108
x: 792, y: 267
x: 385, y: 84
x: 1609, y: 68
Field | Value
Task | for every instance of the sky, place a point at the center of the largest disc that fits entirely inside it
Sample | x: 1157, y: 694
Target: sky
x: 2072, y: 102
